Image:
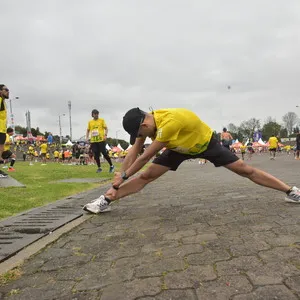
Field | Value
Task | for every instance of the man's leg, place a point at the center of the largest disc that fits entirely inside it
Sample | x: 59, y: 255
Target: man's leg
x: 258, y: 176
x: 137, y: 183
x: 133, y: 185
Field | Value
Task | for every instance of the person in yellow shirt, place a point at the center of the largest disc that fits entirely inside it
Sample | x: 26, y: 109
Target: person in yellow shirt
x: 288, y: 149
x: 243, y: 151
x: 97, y: 133
x: 4, y: 94
x: 44, y: 149
x: 48, y: 156
x: 185, y: 136
x: 273, y: 144
x: 56, y: 155
x: 7, y: 154
x: 31, y: 154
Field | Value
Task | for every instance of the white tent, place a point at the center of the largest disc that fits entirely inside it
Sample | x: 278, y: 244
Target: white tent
x: 69, y: 143
x: 120, y: 147
x: 128, y: 147
x: 260, y: 141
x: 107, y: 147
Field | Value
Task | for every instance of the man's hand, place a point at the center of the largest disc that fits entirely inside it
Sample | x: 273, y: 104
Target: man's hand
x: 118, y: 180
x: 111, y: 193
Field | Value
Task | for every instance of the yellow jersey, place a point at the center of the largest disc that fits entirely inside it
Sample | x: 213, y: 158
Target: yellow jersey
x: 97, y: 129
x: 56, y: 154
x: 273, y: 142
x: 47, y: 155
x: 243, y: 148
x: 44, y: 148
x: 3, y: 116
x: 182, y: 130
x: 30, y: 150
x: 7, y: 143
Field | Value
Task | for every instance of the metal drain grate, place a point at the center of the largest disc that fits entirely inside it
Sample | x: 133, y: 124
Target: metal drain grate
x: 24, y: 229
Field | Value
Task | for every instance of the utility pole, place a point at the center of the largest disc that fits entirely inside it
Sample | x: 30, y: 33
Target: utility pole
x: 70, y: 118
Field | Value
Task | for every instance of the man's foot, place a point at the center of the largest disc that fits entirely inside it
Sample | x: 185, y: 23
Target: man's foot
x: 3, y: 174
x: 99, y: 170
x: 293, y: 196
x: 97, y: 206
x: 111, y: 169
x: 11, y: 169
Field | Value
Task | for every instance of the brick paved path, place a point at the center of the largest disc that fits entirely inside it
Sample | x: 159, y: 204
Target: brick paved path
x: 198, y: 233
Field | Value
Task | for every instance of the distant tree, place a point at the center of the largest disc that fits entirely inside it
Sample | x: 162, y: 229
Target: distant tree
x: 247, y: 128
x: 270, y: 128
x: 21, y: 130
x: 290, y: 119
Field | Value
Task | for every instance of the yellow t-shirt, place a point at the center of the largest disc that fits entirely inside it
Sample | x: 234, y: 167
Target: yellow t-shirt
x: 47, y: 155
x: 288, y: 148
x: 96, y: 128
x: 30, y: 150
x: 243, y: 148
x: 3, y: 116
x: 44, y: 148
x: 273, y: 142
x: 56, y: 154
x: 7, y: 143
x: 182, y: 130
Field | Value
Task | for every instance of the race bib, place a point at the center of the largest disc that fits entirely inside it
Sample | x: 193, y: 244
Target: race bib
x: 95, y: 133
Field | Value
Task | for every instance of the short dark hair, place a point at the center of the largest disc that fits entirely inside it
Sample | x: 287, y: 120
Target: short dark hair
x: 224, y: 129
x: 2, y: 86
x: 9, y: 130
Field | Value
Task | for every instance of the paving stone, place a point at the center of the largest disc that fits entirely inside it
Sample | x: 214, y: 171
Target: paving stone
x: 283, y: 254
x: 98, y: 280
x: 294, y: 283
x: 159, y: 267
x: 249, y: 248
x: 239, y: 265
x: 179, y: 234
x: 208, y: 256
x: 272, y: 292
x: 173, y: 295
x: 49, y: 291
x: 272, y: 273
x: 223, y: 288
x: 189, y: 278
x: 132, y: 290
x: 65, y: 262
x: 200, y: 238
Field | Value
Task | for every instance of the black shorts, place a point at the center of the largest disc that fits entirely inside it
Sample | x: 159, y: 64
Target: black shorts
x: 298, y: 147
x: 2, y: 138
x: 43, y: 154
x: 272, y: 149
x: 6, y: 154
x: 215, y: 153
x: 99, y: 147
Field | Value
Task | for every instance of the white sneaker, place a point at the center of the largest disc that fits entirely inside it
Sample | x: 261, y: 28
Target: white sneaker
x: 97, y: 206
x: 294, y: 196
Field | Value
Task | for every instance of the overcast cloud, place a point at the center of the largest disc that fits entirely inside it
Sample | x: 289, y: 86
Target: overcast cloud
x: 115, y: 55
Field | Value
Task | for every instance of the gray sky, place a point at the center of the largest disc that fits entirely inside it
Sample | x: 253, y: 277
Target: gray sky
x: 115, y: 55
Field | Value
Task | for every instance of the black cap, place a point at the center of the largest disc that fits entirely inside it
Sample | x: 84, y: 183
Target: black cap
x: 95, y: 111
x: 132, y: 122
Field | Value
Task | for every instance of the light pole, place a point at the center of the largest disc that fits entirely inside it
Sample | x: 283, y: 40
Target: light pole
x: 70, y: 118
x: 59, y: 124
x: 11, y: 114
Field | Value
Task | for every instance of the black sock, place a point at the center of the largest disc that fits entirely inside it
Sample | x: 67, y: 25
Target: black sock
x: 107, y: 200
x: 289, y: 191
x: 12, y: 162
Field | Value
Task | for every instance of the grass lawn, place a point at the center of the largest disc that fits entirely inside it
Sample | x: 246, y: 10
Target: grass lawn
x: 41, y: 186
